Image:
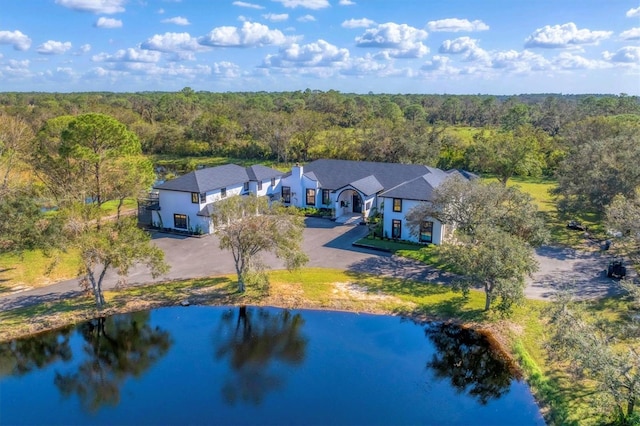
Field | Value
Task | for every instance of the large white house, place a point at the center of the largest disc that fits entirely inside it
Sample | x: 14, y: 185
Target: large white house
x: 364, y: 187
x: 346, y: 188
x: 185, y: 203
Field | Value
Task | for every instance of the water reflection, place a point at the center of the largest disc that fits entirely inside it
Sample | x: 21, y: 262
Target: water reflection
x: 262, y: 365
x: 254, y: 342
x: 19, y: 357
x: 115, y: 348
x: 468, y: 361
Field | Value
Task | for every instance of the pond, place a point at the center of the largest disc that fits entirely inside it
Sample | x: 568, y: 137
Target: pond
x: 223, y: 365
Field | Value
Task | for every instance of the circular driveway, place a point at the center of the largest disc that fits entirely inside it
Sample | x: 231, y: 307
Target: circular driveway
x: 329, y: 245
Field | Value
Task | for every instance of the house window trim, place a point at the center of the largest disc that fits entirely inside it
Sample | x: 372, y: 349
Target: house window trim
x: 422, y: 231
x: 259, y: 185
x: 273, y: 182
x: 223, y: 192
x: 286, y: 194
x: 179, y: 218
x: 246, y: 187
x: 395, y: 222
x: 309, y: 196
x: 326, y: 197
x: 397, y: 205
x: 195, y: 198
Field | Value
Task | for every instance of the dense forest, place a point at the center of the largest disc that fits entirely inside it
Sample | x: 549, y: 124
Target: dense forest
x: 552, y: 135
x: 502, y: 135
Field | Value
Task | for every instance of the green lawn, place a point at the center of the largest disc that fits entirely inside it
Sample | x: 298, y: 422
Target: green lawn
x: 540, y: 189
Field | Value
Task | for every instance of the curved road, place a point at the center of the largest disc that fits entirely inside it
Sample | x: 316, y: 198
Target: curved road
x: 329, y: 245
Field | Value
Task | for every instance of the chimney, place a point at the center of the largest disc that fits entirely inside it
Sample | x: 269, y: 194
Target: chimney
x: 297, y: 171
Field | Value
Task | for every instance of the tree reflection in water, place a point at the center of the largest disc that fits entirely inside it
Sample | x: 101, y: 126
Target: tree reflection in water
x: 466, y: 358
x: 116, y: 347
x: 254, y: 342
x: 18, y: 357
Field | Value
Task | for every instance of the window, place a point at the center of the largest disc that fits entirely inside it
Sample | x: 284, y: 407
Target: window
x: 180, y: 220
x: 223, y: 192
x: 203, y: 197
x: 259, y: 185
x: 397, y: 204
x: 326, y: 198
x: 311, y: 197
x: 286, y: 194
x: 368, y: 205
x: 273, y: 182
x: 396, y: 229
x: 246, y: 186
x: 195, y: 197
x: 426, y: 231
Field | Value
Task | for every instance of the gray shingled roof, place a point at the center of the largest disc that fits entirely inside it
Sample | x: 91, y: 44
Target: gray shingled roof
x: 335, y: 174
x: 368, y: 185
x: 421, y: 188
x: 260, y: 172
x: 416, y: 189
x: 208, y: 179
x: 206, y: 211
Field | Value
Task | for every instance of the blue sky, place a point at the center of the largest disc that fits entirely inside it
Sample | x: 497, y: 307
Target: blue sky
x: 381, y: 46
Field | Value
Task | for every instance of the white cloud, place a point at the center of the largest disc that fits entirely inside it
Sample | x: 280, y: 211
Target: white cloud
x: 569, y: 61
x: 172, y: 43
x: 247, y: 5
x: 306, y: 18
x: 465, y: 46
x: 16, y: 38
x: 17, y: 68
x: 519, y: 62
x: 178, y: 20
x: 226, y: 69
x: 627, y: 54
x: 633, y: 13
x: 103, y: 22
x: 439, y: 67
x: 129, y: 55
x: 455, y: 25
x: 52, y: 47
x: 402, y: 40
x: 358, y: 23
x: 85, y: 48
x: 106, y: 7
x: 566, y: 35
x: 275, y: 17
x: 346, y: 3
x: 250, y: 35
x: 318, y: 54
x: 632, y: 34
x: 307, y: 4
x: 160, y: 12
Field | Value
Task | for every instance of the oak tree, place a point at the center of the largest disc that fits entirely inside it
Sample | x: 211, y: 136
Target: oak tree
x: 249, y: 225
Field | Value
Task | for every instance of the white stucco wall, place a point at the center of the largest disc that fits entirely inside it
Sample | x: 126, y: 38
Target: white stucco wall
x: 177, y: 202
x: 390, y: 215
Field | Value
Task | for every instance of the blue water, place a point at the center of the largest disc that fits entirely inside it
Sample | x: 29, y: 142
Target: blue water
x: 212, y: 365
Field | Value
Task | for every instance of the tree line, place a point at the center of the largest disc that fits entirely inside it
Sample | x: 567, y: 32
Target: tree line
x: 306, y: 125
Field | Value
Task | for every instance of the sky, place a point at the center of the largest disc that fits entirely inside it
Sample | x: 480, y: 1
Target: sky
x: 498, y: 47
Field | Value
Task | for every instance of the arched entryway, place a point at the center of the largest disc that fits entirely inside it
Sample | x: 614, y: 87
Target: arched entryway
x: 349, y: 202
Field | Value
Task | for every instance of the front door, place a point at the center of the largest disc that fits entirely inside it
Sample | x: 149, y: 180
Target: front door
x: 357, y: 204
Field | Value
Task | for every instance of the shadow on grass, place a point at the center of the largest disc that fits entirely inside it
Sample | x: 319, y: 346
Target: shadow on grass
x: 176, y: 291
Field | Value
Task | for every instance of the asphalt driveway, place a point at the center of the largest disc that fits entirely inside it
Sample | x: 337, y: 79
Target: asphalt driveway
x: 330, y: 245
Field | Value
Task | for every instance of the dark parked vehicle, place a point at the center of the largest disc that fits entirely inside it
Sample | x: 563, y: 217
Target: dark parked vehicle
x: 616, y: 269
x: 578, y: 226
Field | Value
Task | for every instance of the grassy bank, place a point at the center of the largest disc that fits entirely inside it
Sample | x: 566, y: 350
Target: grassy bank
x: 521, y: 336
